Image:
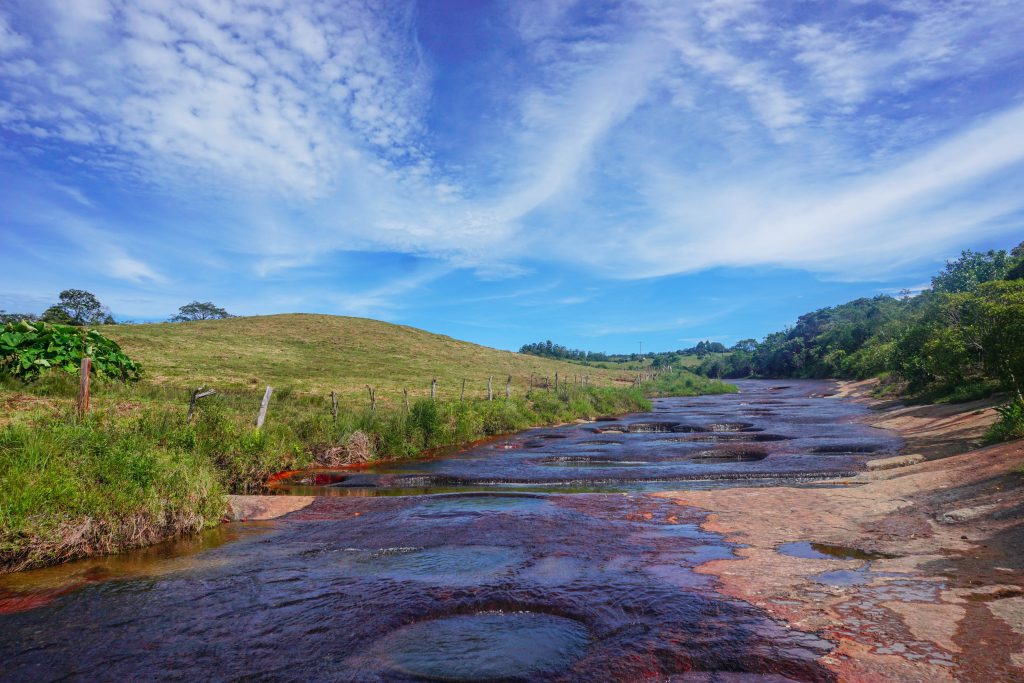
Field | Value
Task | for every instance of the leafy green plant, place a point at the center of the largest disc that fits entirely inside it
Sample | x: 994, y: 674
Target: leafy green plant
x: 28, y: 349
x: 1010, y: 424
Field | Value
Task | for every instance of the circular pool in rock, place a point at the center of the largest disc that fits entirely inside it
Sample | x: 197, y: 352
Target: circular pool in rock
x: 486, y: 646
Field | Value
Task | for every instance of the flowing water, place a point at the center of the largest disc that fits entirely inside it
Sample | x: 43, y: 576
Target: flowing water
x: 532, y: 557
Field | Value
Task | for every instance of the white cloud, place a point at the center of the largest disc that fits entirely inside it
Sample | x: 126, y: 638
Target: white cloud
x: 661, y: 137
x: 10, y: 40
x: 861, y: 227
x: 230, y: 92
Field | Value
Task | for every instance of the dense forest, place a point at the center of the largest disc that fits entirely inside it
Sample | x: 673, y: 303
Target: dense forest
x: 962, y: 337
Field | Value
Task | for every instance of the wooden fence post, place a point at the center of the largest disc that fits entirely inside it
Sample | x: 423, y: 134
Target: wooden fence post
x: 433, y: 388
x: 508, y: 388
x: 462, y: 392
x: 490, y: 388
x: 199, y: 393
x: 405, y: 392
x: 556, y: 382
x: 83, y: 386
x: 262, y: 416
x: 373, y: 398
x: 334, y: 405
x: 547, y: 383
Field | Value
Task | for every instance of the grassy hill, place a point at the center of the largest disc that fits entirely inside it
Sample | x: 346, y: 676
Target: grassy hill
x: 136, y: 470
x: 322, y: 353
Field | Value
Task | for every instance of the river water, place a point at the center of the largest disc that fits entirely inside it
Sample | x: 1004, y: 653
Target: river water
x: 533, y: 557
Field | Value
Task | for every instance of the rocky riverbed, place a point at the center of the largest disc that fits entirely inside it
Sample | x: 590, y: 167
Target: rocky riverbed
x: 718, y: 538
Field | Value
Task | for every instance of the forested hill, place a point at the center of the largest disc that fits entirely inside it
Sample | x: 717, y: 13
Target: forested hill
x: 964, y: 335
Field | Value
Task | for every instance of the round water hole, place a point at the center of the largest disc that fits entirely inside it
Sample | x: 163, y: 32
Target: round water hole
x: 486, y: 646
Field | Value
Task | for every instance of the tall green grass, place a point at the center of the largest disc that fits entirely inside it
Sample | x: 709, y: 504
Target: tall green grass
x: 73, y: 487
x: 134, y: 472
x: 1010, y: 424
x: 684, y: 383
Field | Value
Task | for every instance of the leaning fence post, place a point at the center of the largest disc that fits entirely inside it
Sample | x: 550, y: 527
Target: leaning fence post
x: 334, y: 405
x: 194, y: 398
x: 83, y: 386
x: 262, y: 416
x: 490, y: 389
x: 433, y: 388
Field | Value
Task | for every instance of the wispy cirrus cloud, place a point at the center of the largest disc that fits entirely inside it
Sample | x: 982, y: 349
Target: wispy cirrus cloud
x: 240, y: 93
x: 639, y: 138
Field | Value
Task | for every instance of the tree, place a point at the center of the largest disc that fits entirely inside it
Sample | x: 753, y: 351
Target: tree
x: 200, y: 310
x: 972, y: 269
x: 6, y: 317
x: 57, y: 315
x: 78, y: 307
x: 1016, y: 269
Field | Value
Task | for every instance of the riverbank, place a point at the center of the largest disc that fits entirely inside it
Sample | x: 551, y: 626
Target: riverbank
x: 916, y: 573
x: 128, y: 477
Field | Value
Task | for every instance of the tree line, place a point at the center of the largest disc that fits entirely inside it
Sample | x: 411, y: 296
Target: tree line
x: 82, y: 308
x: 962, y: 336
x: 548, y: 349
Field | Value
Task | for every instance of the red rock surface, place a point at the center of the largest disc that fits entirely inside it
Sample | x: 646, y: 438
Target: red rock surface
x: 946, y: 606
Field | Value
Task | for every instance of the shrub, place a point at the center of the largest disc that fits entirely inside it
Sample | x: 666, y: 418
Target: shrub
x: 27, y: 350
x: 1010, y: 425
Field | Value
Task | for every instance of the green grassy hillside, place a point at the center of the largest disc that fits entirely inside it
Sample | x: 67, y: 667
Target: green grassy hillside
x: 135, y: 470
x: 323, y: 353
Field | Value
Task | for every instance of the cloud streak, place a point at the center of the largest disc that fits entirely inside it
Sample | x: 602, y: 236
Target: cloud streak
x: 643, y: 138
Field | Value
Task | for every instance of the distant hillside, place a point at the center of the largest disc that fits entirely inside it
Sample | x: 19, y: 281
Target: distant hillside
x: 321, y: 353
x: 960, y: 339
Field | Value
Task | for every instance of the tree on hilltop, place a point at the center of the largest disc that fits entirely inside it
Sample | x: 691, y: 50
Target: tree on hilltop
x: 78, y: 307
x: 200, y: 310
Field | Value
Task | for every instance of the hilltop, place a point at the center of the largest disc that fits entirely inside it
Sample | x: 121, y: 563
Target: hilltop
x: 312, y: 353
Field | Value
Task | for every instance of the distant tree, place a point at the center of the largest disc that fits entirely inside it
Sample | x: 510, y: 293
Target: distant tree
x: 78, y: 307
x: 1016, y: 269
x: 6, y: 317
x: 747, y: 345
x: 200, y: 310
x: 57, y: 315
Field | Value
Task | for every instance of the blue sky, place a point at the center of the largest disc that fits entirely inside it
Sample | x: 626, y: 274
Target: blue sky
x: 597, y: 173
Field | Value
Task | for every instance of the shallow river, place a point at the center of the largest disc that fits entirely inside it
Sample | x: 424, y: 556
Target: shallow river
x: 532, y: 557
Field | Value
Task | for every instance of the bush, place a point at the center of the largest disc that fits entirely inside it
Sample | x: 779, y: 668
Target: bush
x: 28, y: 350
x: 1010, y: 425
